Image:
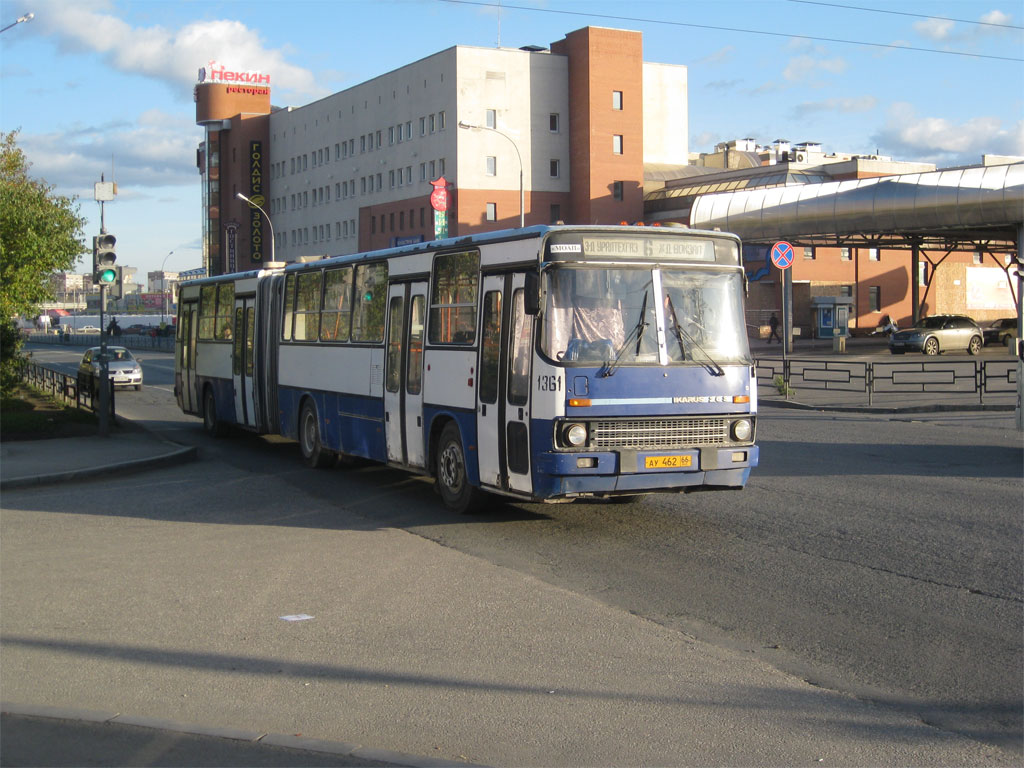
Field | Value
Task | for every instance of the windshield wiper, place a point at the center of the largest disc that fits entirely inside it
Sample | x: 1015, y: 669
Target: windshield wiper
x: 713, y: 368
x: 638, y: 332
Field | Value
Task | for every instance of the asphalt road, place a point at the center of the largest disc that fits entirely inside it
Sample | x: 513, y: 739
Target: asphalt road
x: 876, y: 556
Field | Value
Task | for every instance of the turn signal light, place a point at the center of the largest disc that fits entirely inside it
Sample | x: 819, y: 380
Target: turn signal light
x: 579, y: 402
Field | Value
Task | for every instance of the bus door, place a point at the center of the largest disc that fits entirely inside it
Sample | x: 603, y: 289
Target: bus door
x: 188, y: 324
x: 242, y: 347
x: 403, y: 373
x: 503, y: 403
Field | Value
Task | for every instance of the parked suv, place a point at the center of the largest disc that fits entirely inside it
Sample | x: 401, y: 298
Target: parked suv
x: 937, y: 334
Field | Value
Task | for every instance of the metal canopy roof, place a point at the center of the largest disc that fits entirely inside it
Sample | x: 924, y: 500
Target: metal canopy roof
x: 959, y: 209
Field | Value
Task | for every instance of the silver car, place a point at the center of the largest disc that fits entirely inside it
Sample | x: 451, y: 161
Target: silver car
x: 124, y: 369
x: 937, y: 334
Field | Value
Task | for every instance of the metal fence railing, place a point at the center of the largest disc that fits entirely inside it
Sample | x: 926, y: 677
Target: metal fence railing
x: 78, y: 390
x: 871, y: 378
x: 129, y: 340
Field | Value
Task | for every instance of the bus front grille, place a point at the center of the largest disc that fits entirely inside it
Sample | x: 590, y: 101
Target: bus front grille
x: 658, y: 433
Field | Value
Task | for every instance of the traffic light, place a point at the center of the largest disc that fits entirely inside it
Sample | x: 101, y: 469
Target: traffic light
x: 115, y: 290
x: 103, y: 258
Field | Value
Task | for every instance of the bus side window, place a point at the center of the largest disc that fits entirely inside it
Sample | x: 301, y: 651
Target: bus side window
x: 289, y: 306
x: 453, y: 298
x: 490, y: 347
x: 307, y: 306
x: 519, y: 362
x: 371, y: 282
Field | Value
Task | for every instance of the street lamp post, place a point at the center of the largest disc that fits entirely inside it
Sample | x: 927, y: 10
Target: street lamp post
x: 522, y: 196
x: 20, y: 20
x: 163, y: 288
x: 270, y: 224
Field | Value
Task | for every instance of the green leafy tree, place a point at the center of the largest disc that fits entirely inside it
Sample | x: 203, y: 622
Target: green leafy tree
x: 40, y: 234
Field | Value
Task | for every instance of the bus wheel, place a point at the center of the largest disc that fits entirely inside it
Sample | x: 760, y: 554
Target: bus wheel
x: 313, y: 451
x: 456, y: 492
x: 214, y: 427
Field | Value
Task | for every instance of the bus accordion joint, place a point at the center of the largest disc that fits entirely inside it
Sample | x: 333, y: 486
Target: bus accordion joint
x: 579, y: 402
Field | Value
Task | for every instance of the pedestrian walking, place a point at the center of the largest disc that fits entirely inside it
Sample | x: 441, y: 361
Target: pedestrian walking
x: 773, y: 323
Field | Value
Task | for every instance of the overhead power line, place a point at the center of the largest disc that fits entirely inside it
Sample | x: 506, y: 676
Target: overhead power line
x: 905, y: 13
x: 664, y: 22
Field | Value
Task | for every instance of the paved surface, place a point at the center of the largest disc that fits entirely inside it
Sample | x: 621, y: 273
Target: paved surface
x: 36, y: 735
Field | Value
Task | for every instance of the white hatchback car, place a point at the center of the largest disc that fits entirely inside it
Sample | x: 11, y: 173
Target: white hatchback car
x: 124, y: 369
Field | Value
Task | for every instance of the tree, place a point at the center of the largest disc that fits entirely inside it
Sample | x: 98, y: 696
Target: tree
x: 40, y: 234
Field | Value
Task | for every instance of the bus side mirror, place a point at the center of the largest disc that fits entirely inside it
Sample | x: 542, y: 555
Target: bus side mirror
x: 531, y: 294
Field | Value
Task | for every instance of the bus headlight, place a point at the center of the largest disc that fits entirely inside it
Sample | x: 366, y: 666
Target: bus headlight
x: 575, y: 435
x: 741, y: 430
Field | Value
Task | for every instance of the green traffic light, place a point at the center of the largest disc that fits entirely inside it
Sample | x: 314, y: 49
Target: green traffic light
x: 108, y: 276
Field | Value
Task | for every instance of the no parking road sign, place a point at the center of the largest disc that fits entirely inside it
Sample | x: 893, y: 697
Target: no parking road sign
x: 782, y: 255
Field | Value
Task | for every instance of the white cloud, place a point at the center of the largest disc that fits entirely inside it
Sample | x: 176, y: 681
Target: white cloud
x: 941, y: 141
x: 934, y: 29
x: 158, y: 150
x: 806, y: 68
x: 996, y: 17
x: 847, y: 105
x: 173, y: 56
x: 716, y: 57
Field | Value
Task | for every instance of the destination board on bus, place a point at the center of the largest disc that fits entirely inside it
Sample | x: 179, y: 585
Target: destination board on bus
x: 665, y: 247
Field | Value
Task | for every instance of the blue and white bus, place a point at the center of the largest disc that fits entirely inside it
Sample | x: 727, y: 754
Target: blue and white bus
x: 543, y: 364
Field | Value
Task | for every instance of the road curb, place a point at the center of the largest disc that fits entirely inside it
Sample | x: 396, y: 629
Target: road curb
x: 179, y: 456
x: 281, y: 740
x: 877, y: 409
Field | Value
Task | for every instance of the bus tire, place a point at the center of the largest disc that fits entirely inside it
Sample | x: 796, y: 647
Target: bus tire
x: 452, y: 482
x: 313, y: 451
x: 214, y: 427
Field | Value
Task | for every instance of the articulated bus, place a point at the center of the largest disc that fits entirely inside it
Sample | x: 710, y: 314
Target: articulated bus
x: 543, y: 363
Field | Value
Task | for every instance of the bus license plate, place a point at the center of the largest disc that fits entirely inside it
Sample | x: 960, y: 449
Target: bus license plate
x: 667, y: 462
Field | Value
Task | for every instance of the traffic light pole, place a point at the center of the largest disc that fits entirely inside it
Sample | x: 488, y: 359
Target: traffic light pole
x: 104, y: 404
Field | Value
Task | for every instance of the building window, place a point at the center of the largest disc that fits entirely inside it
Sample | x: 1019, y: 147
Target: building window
x: 430, y: 120
x: 873, y: 254
x: 616, y: 190
x: 492, y: 212
x: 423, y: 126
x: 556, y: 213
x: 391, y: 179
x: 391, y: 135
x: 844, y: 254
x: 809, y: 252
x: 440, y: 120
x: 553, y: 122
x: 492, y: 166
x: 617, y: 100
x: 874, y: 298
x: 491, y: 118
x: 554, y: 169
x: 617, y: 144
x: 976, y: 257
x: 846, y: 290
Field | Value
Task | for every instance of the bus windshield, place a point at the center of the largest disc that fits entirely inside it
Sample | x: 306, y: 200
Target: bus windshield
x: 639, y: 315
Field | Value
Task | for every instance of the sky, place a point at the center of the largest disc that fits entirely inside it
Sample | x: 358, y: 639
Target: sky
x: 105, y: 86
